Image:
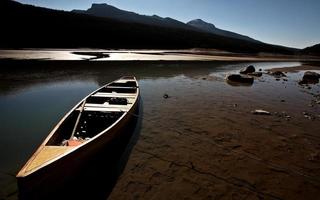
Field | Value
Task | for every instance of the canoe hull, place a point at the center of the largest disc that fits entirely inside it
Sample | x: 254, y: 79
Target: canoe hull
x: 55, y: 177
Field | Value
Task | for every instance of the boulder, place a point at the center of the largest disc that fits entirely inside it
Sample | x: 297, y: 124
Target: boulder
x: 239, y: 78
x: 310, y: 78
x: 278, y: 74
x: 247, y: 70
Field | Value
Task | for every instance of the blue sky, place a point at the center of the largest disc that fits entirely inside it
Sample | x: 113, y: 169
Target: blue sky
x: 293, y: 23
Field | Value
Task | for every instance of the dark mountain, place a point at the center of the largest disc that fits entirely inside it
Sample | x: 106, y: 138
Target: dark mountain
x: 313, y: 50
x: 25, y: 26
x: 210, y: 28
x: 108, y: 11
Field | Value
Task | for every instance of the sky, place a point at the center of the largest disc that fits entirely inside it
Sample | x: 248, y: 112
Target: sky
x: 292, y: 23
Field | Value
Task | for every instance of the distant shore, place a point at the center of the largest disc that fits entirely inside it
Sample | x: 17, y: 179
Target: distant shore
x: 145, y: 55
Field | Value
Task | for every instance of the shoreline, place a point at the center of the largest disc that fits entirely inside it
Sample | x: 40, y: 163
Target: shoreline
x: 190, y: 55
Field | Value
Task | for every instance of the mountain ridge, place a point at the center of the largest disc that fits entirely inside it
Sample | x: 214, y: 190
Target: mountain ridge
x: 109, y: 11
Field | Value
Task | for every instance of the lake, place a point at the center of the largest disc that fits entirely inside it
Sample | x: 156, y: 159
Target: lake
x: 35, y: 95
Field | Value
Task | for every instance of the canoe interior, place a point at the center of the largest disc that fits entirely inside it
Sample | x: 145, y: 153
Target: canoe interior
x: 125, y: 84
x: 91, y: 122
x: 118, y: 90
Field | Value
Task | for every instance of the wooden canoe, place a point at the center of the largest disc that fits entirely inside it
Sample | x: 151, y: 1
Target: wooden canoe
x: 85, y: 130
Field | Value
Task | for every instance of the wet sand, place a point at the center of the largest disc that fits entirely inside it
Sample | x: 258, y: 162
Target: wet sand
x: 208, y: 145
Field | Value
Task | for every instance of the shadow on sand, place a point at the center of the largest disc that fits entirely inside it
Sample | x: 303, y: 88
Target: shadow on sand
x: 96, y: 178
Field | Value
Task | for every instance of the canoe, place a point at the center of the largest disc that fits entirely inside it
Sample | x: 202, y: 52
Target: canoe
x: 89, y: 127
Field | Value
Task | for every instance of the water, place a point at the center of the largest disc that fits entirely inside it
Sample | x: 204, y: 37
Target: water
x: 33, y: 97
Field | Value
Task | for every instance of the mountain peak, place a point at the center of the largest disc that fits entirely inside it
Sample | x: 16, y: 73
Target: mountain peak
x: 101, y: 6
x: 210, y: 28
x: 200, y: 23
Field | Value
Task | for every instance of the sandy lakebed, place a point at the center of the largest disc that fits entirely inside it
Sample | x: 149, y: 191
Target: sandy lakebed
x: 210, y: 146
x: 203, y: 142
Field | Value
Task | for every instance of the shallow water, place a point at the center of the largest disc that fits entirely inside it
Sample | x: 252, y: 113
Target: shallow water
x: 34, y: 98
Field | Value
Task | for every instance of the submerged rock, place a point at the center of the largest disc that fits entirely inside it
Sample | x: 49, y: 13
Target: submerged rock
x: 283, y: 115
x: 308, y: 116
x: 278, y: 74
x: 310, y: 78
x: 239, y: 78
x: 165, y: 96
x: 249, y: 69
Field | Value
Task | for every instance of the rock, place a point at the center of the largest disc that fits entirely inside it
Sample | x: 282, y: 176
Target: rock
x: 311, y: 75
x: 165, y: 96
x: 278, y: 74
x: 260, y: 70
x: 247, y: 70
x: 260, y: 112
x: 239, y: 78
x: 283, y: 115
x: 310, y: 78
x: 282, y: 100
x: 307, y: 115
x: 257, y: 74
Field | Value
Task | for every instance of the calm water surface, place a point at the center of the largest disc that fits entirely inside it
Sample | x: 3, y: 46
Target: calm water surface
x: 33, y: 99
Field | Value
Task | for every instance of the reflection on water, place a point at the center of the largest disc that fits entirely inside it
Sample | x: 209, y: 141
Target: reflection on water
x: 132, y: 55
x: 35, y: 95
x: 100, y: 55
x: 41, y: 54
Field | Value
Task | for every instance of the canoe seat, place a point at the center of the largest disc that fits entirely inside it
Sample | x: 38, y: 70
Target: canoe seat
x: 108, y: 94
x: 107, y: 109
